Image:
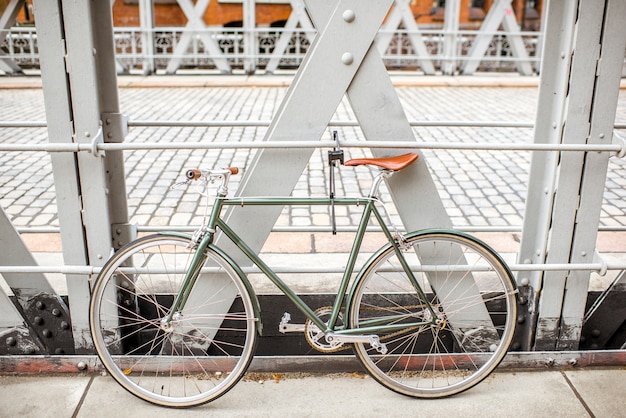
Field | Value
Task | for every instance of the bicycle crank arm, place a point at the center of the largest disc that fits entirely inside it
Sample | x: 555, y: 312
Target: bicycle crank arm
x: 372, y: 340
x: 283, y: 328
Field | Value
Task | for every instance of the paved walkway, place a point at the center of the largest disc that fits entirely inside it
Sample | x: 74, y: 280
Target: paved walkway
x: 478, y: 188
x: 571, y: 393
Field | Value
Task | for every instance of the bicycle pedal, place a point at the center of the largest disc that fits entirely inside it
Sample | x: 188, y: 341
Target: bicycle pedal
x: 285, y: 326
x: 377, y: 345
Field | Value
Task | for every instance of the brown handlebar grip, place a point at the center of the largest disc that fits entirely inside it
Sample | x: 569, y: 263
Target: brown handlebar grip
x: 193, y: 174
x: 233, y: 170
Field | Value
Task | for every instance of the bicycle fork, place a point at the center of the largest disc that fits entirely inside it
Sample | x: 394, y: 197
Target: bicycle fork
x: 191, y: 276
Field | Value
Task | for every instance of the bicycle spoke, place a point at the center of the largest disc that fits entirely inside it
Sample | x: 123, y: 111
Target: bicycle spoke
x: 200, y: 352
x: 467, y: 327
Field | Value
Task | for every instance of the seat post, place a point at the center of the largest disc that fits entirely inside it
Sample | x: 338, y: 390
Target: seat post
x: 382, y: 175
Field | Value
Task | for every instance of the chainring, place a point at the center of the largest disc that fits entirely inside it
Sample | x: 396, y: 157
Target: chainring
x: 315, y: 336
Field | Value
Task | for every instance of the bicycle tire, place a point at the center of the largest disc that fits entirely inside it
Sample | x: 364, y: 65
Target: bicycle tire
x: 475, y: 309
x: 208, y: 346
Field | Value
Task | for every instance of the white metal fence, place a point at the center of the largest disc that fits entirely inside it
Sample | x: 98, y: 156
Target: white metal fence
x: 21, y: 47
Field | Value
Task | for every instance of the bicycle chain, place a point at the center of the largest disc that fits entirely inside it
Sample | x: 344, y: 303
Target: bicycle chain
x: 344, y: 347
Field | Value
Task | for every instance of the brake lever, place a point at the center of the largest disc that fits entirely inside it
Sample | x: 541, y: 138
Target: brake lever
x: 179, y: 184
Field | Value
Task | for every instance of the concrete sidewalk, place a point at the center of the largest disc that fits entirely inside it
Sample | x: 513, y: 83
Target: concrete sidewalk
x: 570, y: 393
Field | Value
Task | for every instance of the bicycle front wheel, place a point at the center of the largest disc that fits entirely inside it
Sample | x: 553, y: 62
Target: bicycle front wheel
x: 196, y: 357
x: 458, y: 341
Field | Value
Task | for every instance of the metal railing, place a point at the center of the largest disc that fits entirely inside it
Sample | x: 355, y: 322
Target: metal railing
x: 21, y: 47
x: 600, y: 267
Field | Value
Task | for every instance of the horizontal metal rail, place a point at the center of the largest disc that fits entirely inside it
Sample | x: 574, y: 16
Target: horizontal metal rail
x: 600, y: 268
x: 478, y: 146
x: 304, y: 229
x: 265, y: 123
x: 311, y: 229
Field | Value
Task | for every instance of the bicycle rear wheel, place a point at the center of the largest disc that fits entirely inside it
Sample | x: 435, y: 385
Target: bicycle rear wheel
x: 464, y: 337
x: 205, y: 349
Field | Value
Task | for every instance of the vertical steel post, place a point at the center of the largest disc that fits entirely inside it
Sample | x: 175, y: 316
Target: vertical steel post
x: 450, y: 36
x: 610, y: 34
x: 560, y: 17
x: 250, y: 43
x: 58, y: 105
x: 576, y: 106
x: 80, y: 87
x: 146, y: 22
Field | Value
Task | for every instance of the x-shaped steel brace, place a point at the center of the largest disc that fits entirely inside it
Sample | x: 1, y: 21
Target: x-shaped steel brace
x: 342, y: 59
x: 298, y: 16
x: 401, y: 12
x: 195, y: 25
x: 501, y: 12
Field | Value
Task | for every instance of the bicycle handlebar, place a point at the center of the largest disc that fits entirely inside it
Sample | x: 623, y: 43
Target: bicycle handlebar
x: 195, y: 174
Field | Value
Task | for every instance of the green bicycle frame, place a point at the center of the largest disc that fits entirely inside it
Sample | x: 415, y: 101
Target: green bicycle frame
x: 215, y: 222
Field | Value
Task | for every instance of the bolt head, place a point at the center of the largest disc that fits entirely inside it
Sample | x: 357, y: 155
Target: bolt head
x: 349, y: 16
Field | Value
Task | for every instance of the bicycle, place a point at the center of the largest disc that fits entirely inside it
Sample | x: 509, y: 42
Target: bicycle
x: 175, y: 320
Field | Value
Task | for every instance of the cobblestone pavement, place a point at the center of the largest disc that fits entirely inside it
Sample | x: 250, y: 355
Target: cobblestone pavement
x: 478, y: 187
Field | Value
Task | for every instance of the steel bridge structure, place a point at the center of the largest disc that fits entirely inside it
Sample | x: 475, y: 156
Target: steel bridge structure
x: 575, y: 135
x: 498, y: 45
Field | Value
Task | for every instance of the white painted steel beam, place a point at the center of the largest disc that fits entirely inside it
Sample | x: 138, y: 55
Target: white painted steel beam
x: 602, y: 111
x: 451, y: 19
x: 80, y: 85
x: 15, y: 253
x: 550, y: 117
x: 250, y: 39
x: 402, y: 14
x: 298, y: 17
x: 196, y: 27
x: 577, y: 106
x: 146, y: 22
x: 342, y: 60
x: 500, y: 13
x: 586, y: 47
x: 7, y: 19
x: 57, y: 101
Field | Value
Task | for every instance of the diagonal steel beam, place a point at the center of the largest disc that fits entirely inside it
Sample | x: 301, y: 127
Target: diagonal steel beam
x: 7, y: 19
